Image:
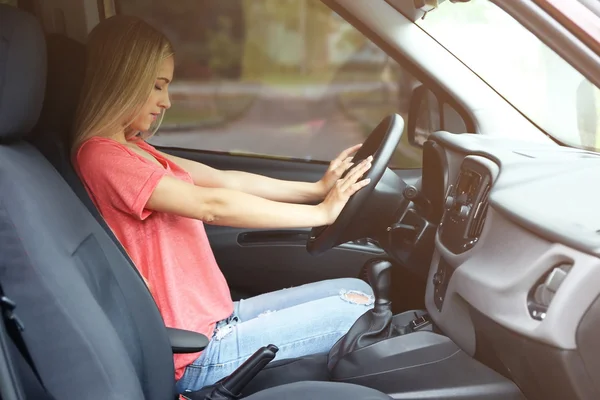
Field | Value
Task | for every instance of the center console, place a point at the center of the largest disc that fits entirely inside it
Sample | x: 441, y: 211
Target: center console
x: 465, y: 205
x: 403, y: 355
x: 464, y: 216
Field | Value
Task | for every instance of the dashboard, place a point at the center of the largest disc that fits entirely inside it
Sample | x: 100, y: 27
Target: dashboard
x: 515, y: 275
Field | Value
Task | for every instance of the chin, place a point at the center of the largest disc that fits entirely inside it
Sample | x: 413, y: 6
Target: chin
x: 141, y: 127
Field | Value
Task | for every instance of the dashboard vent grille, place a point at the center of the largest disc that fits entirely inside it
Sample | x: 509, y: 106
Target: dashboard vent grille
x: 479, y: 219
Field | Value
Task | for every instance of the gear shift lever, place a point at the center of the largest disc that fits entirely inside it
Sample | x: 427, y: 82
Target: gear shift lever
x: 374, y: 325
x: 380, y: 278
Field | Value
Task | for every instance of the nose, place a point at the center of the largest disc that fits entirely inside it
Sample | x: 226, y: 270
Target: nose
x: 165, y: 102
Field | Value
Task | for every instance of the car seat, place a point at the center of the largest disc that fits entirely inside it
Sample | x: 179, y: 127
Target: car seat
x: 91, y: 328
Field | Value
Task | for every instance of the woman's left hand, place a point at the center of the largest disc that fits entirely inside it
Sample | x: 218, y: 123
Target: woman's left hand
x: 336, y: 169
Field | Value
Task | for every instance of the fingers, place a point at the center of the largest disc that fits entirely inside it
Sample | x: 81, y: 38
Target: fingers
x: 347, y: 163
x: 341, y: 166
x: 338, y: 162
x: 350, y: 150
x: 357, y: 186
x: 355, y: 174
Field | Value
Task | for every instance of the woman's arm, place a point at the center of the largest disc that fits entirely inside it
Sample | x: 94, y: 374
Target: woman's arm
x: 265, y: 187
x: 257, y: 185
x: 275, y: 189
x: 222, y: 206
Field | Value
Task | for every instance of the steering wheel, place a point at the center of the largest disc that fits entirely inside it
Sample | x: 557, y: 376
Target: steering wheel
x: 372, y: 199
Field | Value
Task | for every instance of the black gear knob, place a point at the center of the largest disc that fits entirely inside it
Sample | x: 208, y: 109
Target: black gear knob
x: 380, y: 278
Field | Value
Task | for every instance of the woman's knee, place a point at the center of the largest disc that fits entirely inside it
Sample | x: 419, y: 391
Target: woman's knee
x: 349, y: 306
x: 353, y: 285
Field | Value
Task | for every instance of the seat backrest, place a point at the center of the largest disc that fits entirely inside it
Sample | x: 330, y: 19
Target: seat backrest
x: 52, y: 134
x: 91, y: 326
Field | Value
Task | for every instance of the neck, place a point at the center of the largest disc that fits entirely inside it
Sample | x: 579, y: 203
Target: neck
x: 119, y: 137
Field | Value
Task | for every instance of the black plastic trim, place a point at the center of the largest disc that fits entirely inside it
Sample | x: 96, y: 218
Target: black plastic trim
x: 434, y: 178
x: 272, y: 237
x: 298, y: 238
x: 185, y: 342
x: 423, y: 365
x: 455, y: 231
x: 441, y: 279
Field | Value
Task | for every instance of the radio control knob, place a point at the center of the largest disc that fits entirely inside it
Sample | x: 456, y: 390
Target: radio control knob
x: 450, y: 201
x: 464, y: 211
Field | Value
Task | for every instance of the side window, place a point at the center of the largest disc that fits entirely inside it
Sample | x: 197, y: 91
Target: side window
x: 283, y: 78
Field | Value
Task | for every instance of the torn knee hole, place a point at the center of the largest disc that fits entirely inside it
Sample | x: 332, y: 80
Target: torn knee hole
x: 356, y: 297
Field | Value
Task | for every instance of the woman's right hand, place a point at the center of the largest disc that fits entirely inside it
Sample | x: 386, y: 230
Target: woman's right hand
x: 343, y: 189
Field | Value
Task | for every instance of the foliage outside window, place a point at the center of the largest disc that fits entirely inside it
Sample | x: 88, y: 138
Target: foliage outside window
x: 279, y: 78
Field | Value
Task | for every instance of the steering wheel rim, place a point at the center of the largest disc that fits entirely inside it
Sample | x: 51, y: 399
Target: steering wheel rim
x: 381, y: 144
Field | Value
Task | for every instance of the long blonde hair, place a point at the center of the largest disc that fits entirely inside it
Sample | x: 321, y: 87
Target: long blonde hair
x: 124, y: 54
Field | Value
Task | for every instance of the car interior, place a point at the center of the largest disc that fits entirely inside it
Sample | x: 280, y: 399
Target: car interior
x: 483, y: 252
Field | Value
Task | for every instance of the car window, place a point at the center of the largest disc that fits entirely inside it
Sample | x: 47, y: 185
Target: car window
x: 9, y: 2
x: 282, y: 78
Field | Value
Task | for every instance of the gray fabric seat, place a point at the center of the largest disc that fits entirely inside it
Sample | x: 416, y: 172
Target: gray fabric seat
x: 51, y: 138
x: 91, y: 326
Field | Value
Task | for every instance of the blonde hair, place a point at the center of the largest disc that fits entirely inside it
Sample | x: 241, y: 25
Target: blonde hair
x: 124, y: 55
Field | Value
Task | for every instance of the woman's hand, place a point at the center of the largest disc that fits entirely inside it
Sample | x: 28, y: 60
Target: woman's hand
x: 336, y: 169
x: 339, y: 195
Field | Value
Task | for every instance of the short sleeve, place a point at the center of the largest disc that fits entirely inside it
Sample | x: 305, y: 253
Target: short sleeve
x: 116, y: 177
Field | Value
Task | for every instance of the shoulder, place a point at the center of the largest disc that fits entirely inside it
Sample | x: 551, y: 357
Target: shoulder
x: 98, y: 150
x: 99, y: 144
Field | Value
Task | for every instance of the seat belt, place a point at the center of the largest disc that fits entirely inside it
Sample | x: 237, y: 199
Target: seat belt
x: 28, y: 373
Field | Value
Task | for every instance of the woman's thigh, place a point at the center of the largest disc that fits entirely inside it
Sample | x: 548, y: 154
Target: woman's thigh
x: 285, y: 298
x: 311, y: 327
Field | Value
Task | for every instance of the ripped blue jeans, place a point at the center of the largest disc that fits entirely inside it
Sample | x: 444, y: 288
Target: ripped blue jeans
x: 302, y: 320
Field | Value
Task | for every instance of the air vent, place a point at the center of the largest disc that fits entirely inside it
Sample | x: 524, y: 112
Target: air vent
x: 480, y: 213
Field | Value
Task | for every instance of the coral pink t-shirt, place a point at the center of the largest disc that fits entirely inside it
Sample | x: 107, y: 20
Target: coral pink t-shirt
x: 171, y: 252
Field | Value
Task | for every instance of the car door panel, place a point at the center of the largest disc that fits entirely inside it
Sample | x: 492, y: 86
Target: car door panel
x: 274, y: 260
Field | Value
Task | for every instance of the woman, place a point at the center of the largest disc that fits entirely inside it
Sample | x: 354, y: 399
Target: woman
x: 156, y: 205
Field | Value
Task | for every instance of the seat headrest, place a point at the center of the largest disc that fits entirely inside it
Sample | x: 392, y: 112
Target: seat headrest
x: 22, y: 72
x: 64, y: 80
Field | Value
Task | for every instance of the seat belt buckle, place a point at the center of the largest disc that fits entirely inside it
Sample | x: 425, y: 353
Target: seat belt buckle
x: 8, y: 308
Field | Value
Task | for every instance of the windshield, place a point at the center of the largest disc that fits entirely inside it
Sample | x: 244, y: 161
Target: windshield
x: 522, y: 69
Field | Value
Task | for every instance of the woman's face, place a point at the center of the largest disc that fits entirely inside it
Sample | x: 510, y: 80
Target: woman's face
x: 159, y: 98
